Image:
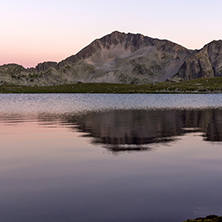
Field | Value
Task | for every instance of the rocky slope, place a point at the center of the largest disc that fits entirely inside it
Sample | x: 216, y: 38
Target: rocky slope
x: 206, y: 62
x: 122, y: 58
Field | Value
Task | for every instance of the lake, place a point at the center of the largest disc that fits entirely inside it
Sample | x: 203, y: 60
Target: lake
x: 110, y: 157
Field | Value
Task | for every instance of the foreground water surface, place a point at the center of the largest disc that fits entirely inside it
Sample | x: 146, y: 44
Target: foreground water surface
x: 103, y: 157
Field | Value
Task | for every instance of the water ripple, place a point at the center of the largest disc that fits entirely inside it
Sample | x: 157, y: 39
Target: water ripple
x: 66, y: 103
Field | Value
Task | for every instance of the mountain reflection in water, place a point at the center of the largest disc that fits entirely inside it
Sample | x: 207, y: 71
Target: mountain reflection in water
x: 134, y: 130
x: 124, y: 130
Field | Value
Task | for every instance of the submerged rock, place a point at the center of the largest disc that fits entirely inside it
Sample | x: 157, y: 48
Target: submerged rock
x: 210, y: 218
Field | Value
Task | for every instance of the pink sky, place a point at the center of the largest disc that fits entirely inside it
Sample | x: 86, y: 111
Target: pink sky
x: 37, y: 31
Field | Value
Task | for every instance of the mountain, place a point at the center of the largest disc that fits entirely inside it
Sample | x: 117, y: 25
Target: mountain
x: 125, y: 58
x: 206, y: 62
x: 121, y: 58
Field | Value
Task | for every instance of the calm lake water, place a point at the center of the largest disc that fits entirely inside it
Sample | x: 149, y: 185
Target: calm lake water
x: 106, y: 158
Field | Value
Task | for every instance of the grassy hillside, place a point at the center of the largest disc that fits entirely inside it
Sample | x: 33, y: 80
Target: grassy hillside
x: 205, y: 85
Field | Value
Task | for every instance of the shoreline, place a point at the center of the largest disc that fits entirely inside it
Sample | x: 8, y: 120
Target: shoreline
x: 196, y: 86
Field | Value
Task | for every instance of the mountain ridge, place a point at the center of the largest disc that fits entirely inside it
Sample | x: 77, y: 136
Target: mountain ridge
x: 122, y: 58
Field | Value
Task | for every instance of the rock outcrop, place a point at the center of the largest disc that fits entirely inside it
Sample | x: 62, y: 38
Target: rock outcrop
x: 122, y: 58
x: 206, y: 62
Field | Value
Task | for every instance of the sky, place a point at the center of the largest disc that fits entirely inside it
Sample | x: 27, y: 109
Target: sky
x: 34, y: 31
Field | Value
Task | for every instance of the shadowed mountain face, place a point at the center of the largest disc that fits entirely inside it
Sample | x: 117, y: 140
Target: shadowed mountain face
x: 122, y: 58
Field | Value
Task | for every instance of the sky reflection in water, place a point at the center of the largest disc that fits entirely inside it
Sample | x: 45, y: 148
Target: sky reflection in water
x: 109, y: 164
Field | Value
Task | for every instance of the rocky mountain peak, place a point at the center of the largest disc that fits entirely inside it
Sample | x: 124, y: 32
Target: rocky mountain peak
x: 111, y: 40
x: 128, y: 41
x: 116, y: 38
x: 122, y: 58
x: 127, y: 58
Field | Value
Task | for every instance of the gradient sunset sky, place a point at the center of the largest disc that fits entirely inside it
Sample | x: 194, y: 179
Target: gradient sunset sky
x: 33, y: 31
